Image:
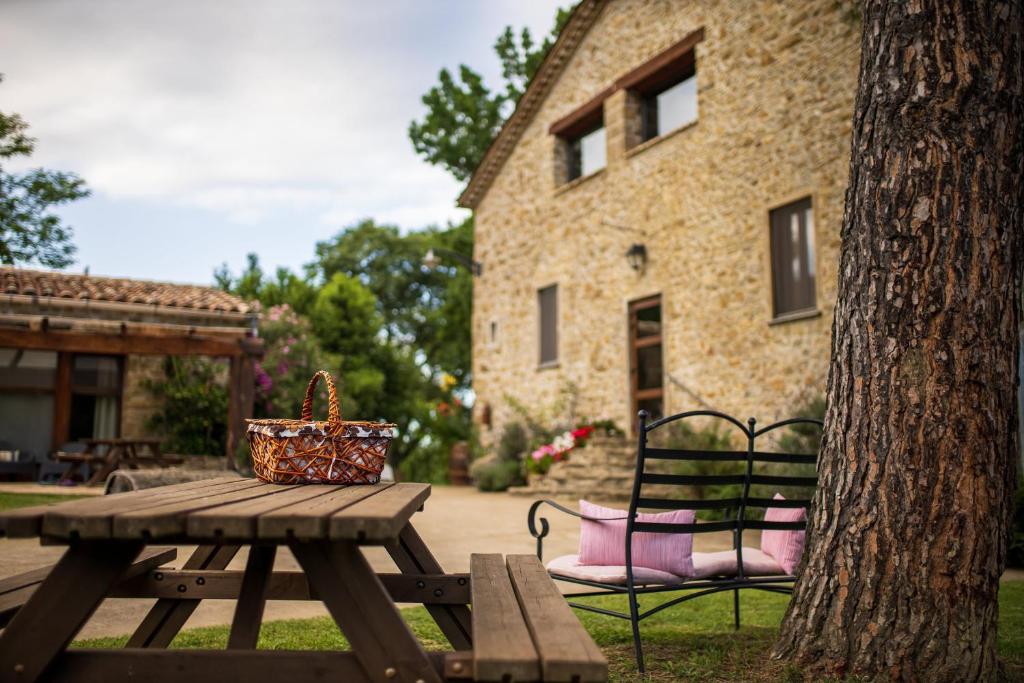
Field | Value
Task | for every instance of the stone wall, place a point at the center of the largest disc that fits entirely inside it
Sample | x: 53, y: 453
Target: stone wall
x: 603, y: 472
x: 138, y: 404
x: 776, y: 83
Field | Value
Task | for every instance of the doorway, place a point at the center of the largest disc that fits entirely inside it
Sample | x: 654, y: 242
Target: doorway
x: 646, y: 373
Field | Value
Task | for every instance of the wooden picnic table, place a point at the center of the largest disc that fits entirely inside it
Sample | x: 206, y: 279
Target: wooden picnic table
x: 520, y: 628
x: 115, y: 453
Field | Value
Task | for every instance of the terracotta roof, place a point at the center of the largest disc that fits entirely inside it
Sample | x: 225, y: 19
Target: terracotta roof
x: 583, y: 17
x: 38, y: 283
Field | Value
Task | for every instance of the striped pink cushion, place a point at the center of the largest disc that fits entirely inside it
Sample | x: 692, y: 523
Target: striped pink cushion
x: 785, y: 546
x: 604, y: 543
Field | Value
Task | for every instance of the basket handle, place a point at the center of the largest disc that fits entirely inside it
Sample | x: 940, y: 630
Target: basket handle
x: 333, y: 411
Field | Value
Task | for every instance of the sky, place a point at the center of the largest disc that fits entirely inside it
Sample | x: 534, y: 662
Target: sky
x: 208, y: 130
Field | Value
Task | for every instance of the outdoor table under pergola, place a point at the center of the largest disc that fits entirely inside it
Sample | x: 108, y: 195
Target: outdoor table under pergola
x: 520, y: 627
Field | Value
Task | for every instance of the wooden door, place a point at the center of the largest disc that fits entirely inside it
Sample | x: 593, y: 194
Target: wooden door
x: 646, y: 372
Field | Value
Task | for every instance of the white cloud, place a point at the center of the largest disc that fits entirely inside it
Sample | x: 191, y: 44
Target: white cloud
x: 247, y: 108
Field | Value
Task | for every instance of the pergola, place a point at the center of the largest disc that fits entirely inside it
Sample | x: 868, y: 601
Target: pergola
x: 81, y: 314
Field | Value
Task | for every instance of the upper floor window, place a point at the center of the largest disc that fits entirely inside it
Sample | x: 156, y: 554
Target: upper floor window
x: 547, y: 300
x: 792, y: 249
x: 671, y: 106
x: 662, y: 92
x: 581, y: 144
x: 587, y: 153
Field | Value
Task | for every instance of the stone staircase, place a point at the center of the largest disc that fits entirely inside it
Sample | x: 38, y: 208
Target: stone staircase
x: 602, y: 471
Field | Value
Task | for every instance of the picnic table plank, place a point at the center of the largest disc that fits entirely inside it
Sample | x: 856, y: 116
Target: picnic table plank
x: 381, y: 517
x: 93, y: 518
x: 308, y: 519
x: 26, y: 522
x: 502, y: 646
x: 170, y: 518
x: 238, y: 520
x: 567, y: 652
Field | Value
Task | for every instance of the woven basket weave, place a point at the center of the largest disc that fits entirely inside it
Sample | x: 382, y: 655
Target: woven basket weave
x: 307, y: 451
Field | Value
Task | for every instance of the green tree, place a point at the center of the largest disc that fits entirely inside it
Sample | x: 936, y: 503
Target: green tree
x: 427, y: 309
x: 253, y: 285
x: 29, y: 231
x: 464, y: 115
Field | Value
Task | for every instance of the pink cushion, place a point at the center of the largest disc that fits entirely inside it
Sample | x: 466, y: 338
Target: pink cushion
x: 723, y: 563
x: 569, y: 565
x: 604, y: 543
x: 785, y: 546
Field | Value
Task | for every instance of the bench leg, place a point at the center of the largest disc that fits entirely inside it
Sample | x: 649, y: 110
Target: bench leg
x: 736, y: 608
x: 412, y: 556
x: 634, y: 619
x: 64, y: 601
x: 167, y: 616
x: 381, y: 640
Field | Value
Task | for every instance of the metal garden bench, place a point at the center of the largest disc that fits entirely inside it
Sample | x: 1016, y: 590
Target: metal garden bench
x: 747, y: 476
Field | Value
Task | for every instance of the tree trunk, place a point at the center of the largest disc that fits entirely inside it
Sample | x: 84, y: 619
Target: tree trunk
x: 918, y: 462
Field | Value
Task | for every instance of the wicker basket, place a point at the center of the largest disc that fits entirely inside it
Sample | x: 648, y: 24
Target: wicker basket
x: 306, y: 451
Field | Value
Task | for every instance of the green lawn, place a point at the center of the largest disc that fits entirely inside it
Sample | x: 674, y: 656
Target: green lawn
x: 9, y: 501
x: 694, y: 641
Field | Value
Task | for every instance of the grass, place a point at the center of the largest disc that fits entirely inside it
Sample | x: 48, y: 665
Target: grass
x: 10, y: 501
x: 694, y: 641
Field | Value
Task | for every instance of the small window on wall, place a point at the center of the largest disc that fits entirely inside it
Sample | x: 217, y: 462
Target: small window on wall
x: 547, y: 300
x: 792, y: 252
x: 672, y: 102
x: 586, y: 153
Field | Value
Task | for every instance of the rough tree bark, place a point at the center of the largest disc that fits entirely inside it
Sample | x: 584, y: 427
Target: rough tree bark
x: 918, y: 464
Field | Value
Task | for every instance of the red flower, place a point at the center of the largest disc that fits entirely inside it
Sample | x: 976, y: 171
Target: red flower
x: 583, y: 432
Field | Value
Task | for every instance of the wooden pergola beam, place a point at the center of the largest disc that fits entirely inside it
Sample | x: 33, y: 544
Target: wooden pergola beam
x: 129, y: 342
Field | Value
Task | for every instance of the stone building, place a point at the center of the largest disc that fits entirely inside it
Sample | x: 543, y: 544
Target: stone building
x: 659, y: 219
x: 76, y: 351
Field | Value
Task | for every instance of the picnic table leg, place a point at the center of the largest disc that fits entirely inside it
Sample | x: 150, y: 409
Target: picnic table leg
x: 412, y: 556
x: 361, y: 606
x: 167, y: 616
x: 110, y: 463
x: 57, y: 610
x: 245, y: 626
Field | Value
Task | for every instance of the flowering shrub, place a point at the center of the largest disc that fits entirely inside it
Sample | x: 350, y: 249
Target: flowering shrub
x: 541, y: 460
x: 292, y: 355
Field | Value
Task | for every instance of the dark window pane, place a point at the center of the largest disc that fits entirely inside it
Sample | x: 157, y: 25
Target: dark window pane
x: 792, y: 245
x: 648, y: 322
x: 654, y: 406
x: 648, y: 370
x: 25, y: 369
x: 96, y: 372
x: 26, y: 424
x: 548, y: 302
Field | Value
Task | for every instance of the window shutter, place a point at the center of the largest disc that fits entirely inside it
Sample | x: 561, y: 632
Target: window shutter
x: 548, y: 301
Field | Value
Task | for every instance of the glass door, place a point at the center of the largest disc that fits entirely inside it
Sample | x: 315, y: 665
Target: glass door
x: 646, y: 373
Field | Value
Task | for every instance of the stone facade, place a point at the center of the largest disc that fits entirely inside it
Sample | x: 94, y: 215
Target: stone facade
x: 776, y: 83
x: 138, y: 404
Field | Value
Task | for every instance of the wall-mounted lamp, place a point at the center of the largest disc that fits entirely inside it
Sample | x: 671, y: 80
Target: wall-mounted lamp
x: 432, y: 261
x: 637, y: 257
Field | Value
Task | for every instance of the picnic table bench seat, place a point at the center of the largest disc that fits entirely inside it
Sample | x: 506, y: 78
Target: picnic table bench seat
x: 16, y: 590
x: 523, y: 630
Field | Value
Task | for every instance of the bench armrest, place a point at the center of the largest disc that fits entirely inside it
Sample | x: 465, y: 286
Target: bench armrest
x: 532, y: 519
